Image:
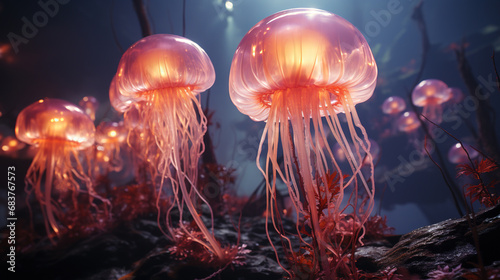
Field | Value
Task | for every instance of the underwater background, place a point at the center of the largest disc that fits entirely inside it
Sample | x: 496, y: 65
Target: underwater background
x: 74, y: 52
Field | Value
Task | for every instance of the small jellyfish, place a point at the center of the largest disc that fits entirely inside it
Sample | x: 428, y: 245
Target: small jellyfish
x: 431, y: 94
x: 408, y: 122
x: 110, y: 136
x: 10, y: 145
x: 59, y: 130
x: 89, y: 104
x: 457, y: 155
x: 457, y: 95
x: 393, y: 105
x: 290, y: 70
x: 165, y: 74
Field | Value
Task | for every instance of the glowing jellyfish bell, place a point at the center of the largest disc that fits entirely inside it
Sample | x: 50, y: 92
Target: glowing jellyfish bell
x: 393, y: 105
x: 165, y: 74
x: 408, y: 122
x: 457, y: 155
x: 89, y: 104
x: 457, y: 95
x: 110, y: 136
x: 59, y: 129
x: 290, y: 70
x: 430, y: 94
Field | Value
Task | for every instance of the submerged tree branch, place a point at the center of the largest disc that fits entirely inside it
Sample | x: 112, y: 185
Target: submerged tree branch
x: 142, y: 15
x: 419, y: 18
x: 486, y: 128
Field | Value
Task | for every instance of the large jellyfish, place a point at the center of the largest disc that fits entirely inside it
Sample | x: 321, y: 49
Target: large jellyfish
x: 164, y: 74
x: 290, y: 70
x: 430, y: 94
x: 59, y: 129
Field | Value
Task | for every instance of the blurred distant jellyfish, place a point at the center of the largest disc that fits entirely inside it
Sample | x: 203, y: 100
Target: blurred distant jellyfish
x: 431, y: 94
x: 89, y: 104
x: 457, y: 155
x: 165, y: 74
x: 393, y: 105
x: 408, y: 122
x: 457, y: 95
x: 10, y: 145
x: 59, y: 129
x: 110, y: 136
x: 290, y: 70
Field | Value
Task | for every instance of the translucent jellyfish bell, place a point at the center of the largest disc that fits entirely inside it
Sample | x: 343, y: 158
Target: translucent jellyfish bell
x: 59, y: 129
x: 165, y: 74
x: 457, y: 155
x: 393, y: 105
x: 291, y: 69
x: 408, y: 122
x: 10, y: 145
x: 430, y: 94
x: 111, y: 136
x: 457, y: 95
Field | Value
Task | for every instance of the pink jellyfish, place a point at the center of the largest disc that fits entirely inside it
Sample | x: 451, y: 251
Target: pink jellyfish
x: 408, y: 122
x: 165, y: 74
x: 290, y: 70
x: 430, y: 94
x: 89, y: 104
x: 110, y: 136
x: 456, y: 94
x: 393, y: 105
x: 10, y: 145
x: 59, y: 130
x: 457, y: 155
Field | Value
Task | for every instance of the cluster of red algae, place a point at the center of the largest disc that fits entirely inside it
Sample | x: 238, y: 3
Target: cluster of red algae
x: 481, y: 190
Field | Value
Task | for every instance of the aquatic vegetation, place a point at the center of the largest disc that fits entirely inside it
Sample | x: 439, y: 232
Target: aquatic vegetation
x: 483, y: 190
x: 291, y: 71
x: 59, y: 129
x: 164, y: 74
x: 443, y: 273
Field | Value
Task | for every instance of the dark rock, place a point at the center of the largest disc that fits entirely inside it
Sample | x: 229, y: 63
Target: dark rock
x: 448, y: 243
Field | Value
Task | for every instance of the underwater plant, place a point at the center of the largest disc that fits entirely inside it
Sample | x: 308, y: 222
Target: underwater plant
x: 292, y: 70
x: 59, y: 130
x: 164, y: 74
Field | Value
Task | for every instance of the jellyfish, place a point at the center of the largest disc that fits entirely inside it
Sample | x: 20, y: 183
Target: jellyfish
x: 59, y: 129
x: 457, y: 95
x: 10, y: 145
x: 291, y: 70
x: 430, y: 94
x: 393, y: 105
x: 457, y: 154
x: 110, y: 136
x: 89, y: 104
x: 164, y: 74
x: 408, y: 122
